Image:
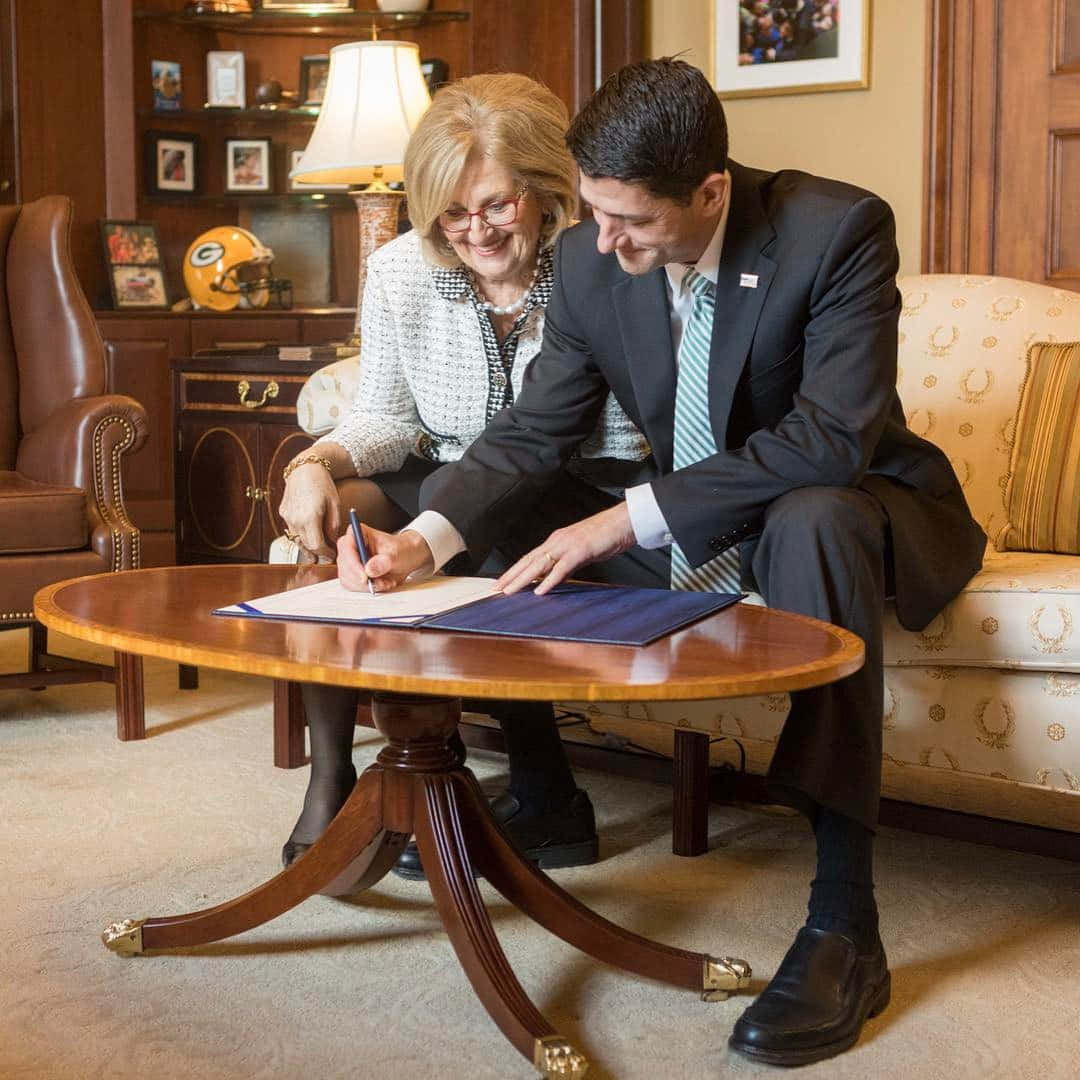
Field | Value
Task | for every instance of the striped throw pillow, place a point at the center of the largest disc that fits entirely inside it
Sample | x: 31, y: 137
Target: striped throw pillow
x: 1042, y: 496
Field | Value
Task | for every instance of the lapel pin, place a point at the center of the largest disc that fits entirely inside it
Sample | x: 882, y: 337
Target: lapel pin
x: 748, y: 281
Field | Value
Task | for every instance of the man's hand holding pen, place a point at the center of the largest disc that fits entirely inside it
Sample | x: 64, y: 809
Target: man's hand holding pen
x: 393, y: 557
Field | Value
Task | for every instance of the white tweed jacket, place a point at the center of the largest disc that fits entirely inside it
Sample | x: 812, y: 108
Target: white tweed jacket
x: 432, y: 373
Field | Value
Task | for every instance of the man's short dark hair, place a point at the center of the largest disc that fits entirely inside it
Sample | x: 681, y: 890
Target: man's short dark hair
x: 657, y: 122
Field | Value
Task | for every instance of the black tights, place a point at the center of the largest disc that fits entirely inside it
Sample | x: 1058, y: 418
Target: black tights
x: 540, y: 776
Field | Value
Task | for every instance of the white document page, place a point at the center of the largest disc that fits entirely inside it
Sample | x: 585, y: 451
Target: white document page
x: 332, y: 602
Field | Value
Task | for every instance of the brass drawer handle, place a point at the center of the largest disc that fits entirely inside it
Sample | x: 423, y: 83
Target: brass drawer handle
x: 243, y: 388
x: 256, y: 493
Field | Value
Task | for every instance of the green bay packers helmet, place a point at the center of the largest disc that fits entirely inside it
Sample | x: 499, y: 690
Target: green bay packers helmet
x: 227, y: 267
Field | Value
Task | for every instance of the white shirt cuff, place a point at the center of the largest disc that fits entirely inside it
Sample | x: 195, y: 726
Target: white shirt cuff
x: 650, y: 528
x: 443, y: 539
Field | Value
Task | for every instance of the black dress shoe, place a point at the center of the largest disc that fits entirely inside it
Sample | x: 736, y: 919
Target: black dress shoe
x: 565, y: 837
x: 817, y: 1002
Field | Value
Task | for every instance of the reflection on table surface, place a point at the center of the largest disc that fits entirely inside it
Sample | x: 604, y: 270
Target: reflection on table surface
x: 167, y: 612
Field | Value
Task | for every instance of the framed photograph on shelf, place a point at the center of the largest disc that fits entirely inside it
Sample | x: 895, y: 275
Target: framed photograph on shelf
x: 824, y: 45
x: 247, y: 165
x: 306, y: 7
x: 313, y: 73
x: 171, y: 162
x: 165, y: 80
x: 138, y: 287
x: 131, y: 242
x: 224, y: 80
x: 300, y: 186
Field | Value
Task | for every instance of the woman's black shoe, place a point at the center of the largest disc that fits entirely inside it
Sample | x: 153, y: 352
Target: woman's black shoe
x: 817, y: 1002
x: 324, y: 797
x: 291, y: 852
x: 564, y: 837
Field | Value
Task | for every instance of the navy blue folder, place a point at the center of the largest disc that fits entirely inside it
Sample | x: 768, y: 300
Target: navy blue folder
x: 605, y: 614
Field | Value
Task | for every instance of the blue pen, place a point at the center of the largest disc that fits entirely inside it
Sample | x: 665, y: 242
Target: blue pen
x: 358, y: 536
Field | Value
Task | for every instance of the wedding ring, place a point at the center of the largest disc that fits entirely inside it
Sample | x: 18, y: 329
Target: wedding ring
x: 550, y: 558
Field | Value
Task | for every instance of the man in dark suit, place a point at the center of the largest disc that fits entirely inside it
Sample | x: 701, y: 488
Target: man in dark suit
x: 747, y: 322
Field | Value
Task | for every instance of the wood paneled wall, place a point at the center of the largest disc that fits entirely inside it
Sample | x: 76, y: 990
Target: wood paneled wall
x: 1003, y: 140
x: 59, y: 75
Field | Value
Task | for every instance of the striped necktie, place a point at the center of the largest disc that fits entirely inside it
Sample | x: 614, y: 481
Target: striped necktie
x: 693, y: 436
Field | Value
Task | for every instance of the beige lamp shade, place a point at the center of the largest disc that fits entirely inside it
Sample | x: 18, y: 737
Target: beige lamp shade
x: 375, y: 94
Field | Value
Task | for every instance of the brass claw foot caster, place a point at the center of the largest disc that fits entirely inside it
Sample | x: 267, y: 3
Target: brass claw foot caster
x: 723, y: 974
x: 556, y: 1058
x: 124, y: 938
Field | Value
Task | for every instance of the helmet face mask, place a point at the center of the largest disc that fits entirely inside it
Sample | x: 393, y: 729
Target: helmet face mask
x: 227, y: 267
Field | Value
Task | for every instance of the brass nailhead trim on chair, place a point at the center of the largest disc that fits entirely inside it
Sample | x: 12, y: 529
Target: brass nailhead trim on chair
x: 108, y: 513
x: 12, y: 616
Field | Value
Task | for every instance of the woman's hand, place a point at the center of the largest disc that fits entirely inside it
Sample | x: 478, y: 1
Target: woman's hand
x: 594, y: 539
x: 392, y: 557
x: 310, y: 511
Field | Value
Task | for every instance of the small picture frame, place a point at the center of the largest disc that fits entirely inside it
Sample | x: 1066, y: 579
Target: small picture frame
x: 138, y: 287
x: 247, y: 165
x: 313, y: 73
x: 132, y: 243
x: 436, y: 73
x: 165, y: 81
x: 298, y: 186
x: 171, y: 162
x: 224, y: 80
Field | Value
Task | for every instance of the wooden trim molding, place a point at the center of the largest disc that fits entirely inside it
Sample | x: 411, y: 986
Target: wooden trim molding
x: 961, y: 128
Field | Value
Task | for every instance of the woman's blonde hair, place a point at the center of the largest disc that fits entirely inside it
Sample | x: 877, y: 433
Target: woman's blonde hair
x: 509, y: 118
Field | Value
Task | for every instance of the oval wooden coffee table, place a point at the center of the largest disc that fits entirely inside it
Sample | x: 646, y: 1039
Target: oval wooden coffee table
x: 418, y: 785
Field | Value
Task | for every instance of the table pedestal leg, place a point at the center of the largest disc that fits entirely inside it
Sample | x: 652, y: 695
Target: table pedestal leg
x: 555, y: 909
x: 354, y: 841
x: 418, y: 785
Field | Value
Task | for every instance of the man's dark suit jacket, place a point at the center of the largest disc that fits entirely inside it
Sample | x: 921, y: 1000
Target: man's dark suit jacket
x: 802, y: 389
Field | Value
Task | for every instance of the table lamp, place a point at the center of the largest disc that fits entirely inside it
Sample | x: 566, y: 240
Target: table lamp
x: 375, y: 94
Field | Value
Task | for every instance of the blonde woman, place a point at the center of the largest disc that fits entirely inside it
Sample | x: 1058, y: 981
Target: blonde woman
x: 453, y: 312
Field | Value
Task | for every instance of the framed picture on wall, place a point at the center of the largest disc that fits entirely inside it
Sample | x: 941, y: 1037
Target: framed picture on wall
x: 790, y: 48
x: 247, y: 165
x: 171, y: 162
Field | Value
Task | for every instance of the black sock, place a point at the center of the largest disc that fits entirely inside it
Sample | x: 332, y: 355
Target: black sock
x: 842, y: 894
x: 540, y: 776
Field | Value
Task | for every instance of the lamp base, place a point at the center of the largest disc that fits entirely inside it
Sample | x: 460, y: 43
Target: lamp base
x: 378, y: 208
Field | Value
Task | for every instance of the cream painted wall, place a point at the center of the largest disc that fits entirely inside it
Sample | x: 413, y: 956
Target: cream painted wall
x: 873, y: 137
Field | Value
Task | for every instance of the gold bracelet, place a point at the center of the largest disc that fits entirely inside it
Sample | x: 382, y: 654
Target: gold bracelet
x: 309, y: 459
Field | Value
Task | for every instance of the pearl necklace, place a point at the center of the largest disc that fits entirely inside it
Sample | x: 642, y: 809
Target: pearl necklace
x: 505, y: 309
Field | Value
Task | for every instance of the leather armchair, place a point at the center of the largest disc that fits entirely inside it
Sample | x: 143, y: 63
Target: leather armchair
x: 62, y: 437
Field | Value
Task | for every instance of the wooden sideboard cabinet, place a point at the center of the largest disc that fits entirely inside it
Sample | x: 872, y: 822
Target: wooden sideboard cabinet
x: 235, y: 424
x: 138, y: 349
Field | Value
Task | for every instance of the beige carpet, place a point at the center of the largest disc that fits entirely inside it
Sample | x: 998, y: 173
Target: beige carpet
x: 984, y: 944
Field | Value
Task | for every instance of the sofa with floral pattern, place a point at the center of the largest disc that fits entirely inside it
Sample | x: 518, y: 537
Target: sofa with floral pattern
x: 982, y: 708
